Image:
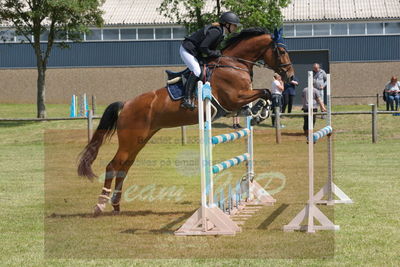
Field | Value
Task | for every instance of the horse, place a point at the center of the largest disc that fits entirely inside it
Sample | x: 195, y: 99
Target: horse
x: 138, y: 119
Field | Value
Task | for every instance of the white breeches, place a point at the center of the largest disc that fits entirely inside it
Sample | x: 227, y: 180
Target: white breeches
x: 190, y: 61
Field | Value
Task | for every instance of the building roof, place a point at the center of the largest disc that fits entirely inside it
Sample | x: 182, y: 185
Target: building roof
x: 341, y: 10
x: 142, y: 12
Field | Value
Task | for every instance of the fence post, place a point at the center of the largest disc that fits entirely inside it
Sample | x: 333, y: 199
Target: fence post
x: 377, y: 100
x: 94, y: 104
x: 183, y: 134
x: 374, y: 123
x: 278, y: 124
x: 90, y: 124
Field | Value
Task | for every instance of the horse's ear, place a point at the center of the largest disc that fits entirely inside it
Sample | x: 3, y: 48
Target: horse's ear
x: 276, y: 34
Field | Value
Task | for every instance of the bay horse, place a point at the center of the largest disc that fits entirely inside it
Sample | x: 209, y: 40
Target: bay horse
x: 138, y: 119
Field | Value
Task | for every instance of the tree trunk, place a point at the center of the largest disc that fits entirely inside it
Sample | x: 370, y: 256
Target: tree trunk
x: 41, y: 108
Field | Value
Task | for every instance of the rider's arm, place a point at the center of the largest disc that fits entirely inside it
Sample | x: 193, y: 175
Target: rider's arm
x: 212, y: 36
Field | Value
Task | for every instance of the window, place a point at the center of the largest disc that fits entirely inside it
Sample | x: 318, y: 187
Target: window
x: 145, y: 34
x: 163, y: 33
x: 288, y: 30
x: 128, y: 34
x: 357, y: 28
x: 44, y: 37
x: 304, y: 30
x: 321, y: 29
x: 374, y: 28
x: 76, y: 36
x: 339, y: 29
x: 179, y: 33
x: 392, y: 27
x: 7, y: 35
x: 22, y: 38
x: 110, y: 34
x: 93, y: 35
x: 60, y: 36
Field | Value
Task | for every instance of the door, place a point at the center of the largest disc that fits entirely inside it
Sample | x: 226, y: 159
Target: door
x: 302, y: 63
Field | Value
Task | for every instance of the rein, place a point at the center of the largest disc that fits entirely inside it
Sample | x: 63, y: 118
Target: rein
x: 275, y: 46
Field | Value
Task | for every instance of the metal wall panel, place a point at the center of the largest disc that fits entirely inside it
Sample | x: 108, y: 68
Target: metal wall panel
x: 93, y: 54
x: 352, y: 48
x: 148, y: 53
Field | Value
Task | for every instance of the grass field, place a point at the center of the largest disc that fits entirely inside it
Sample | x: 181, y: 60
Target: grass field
x: 46, y: 209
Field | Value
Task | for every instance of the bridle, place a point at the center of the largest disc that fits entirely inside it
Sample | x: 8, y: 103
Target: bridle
x: 274, y: 45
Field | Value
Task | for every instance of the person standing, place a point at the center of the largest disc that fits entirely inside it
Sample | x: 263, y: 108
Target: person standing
x: 319, y: 79
x: 277, y: 98
x: 236, y: 123
x: 316, y: 100
x: 288, y: 94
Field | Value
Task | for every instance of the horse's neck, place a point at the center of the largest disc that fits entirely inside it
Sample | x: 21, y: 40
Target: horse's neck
x: 250, y: 49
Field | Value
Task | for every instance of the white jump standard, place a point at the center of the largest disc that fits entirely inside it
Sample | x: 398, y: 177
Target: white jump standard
x: 311, y: 211
x: 209, y: 219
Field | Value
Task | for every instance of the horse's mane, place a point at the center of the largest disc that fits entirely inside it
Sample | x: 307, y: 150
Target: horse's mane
x: 244, y: 34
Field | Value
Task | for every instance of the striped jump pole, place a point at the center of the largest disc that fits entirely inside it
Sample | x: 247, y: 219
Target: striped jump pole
x: 209, y: 219
x: 223, y: 138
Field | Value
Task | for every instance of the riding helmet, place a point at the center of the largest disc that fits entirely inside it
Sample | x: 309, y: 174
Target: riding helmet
x: 229, y: 18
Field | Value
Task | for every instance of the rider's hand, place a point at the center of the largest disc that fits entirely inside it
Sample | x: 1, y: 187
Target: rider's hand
x: 215, y: 53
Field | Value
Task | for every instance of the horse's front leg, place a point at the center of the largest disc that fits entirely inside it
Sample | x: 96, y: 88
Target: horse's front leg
x: 261, y: 109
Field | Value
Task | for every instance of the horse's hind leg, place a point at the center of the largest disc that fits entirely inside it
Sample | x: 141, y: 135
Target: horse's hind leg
x: 104, y: 197
x: 130, y: 144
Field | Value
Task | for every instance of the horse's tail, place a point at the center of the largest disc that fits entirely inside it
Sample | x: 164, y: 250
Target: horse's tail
x: 106, y: 128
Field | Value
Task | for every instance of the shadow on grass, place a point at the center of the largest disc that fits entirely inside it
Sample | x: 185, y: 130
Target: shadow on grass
x: 273, y: 216
x: 167, y: 229
x: 122, y: 213
x: 10, y: 124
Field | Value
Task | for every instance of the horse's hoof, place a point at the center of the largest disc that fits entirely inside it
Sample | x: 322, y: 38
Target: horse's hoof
x: 116, y: 212
x: 97, y: 210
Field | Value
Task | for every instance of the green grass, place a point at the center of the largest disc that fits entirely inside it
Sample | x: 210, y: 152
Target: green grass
x: 45, y: 208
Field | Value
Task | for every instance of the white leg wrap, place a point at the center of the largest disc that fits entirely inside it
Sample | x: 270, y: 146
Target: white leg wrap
x: 102, y: 201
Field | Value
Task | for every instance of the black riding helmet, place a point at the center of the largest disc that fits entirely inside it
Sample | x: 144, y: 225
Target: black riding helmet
x: 229, y: 18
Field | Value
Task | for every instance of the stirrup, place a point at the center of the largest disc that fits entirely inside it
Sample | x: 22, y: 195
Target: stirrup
x: 187, y: 104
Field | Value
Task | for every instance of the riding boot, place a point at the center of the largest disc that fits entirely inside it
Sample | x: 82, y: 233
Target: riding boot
x: 189, y: 90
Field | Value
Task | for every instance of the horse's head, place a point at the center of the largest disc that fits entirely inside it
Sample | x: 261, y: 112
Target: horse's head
x: 254, y: 44
x: 277, y: 57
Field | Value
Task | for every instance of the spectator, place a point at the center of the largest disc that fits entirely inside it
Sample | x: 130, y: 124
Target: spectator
x: 316, y: 99
x: 288, y: 94
x: 319, y: 79
x: 392, y: 93
x: 277, y: 98
x: 236, y: 124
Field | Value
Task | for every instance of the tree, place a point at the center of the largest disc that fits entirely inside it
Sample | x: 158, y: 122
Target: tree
x: 189, y: 12
x: 258, y: 13
x: 253, y: 13
x: 50, y: 20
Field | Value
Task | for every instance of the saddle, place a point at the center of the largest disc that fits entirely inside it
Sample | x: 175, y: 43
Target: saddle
x: 176, y: 81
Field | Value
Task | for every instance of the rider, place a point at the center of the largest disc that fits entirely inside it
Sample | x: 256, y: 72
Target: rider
x: 203, y: 44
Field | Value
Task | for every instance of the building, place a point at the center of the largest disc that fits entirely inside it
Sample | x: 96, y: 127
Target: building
x: 356, y: 40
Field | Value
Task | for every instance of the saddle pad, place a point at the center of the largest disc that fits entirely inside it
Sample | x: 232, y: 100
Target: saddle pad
x: 176, y: 90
